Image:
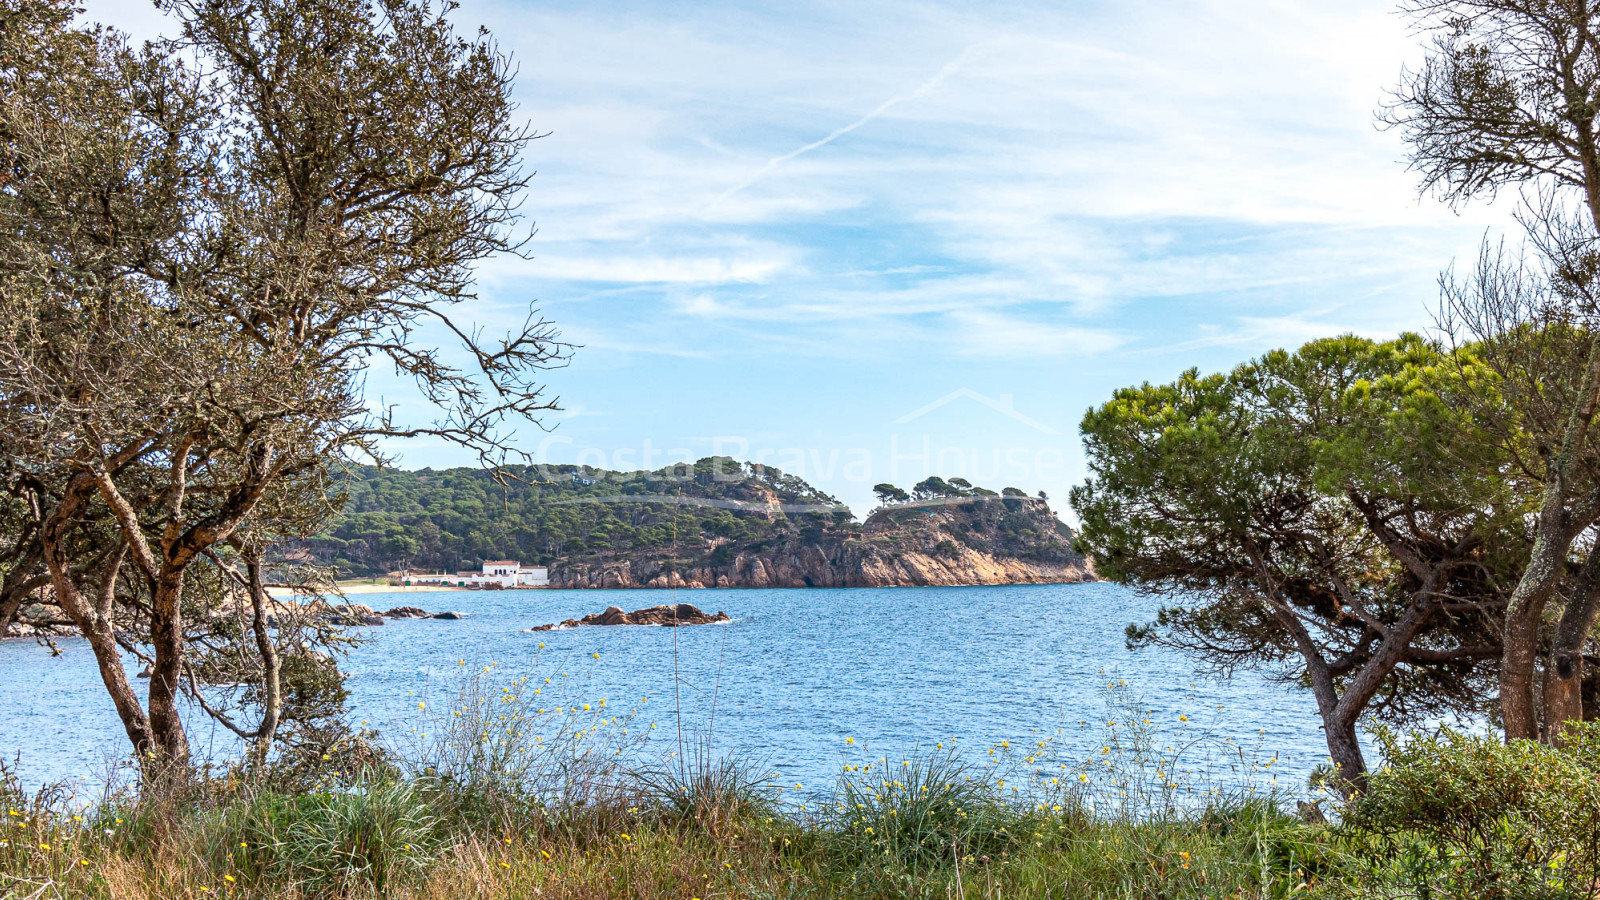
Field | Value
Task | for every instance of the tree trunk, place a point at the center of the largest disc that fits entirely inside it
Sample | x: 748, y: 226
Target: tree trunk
x: 1345, y: 749
x: 1558, y: 524
x: 1563, y: 680
x: 272, y: 689
x: 166, y: 638
x: 95, y: 626
x: 1524, y: 613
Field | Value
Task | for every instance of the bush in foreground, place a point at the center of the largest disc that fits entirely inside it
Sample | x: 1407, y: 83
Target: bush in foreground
x: 1458, y: 816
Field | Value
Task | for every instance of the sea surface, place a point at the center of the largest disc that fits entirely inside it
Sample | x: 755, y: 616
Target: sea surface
x: 804, y: 680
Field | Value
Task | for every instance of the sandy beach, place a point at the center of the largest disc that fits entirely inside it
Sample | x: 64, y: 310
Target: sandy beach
x: 351, y: 590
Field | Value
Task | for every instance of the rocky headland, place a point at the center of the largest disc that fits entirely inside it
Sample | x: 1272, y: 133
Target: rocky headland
x: 716, y: 523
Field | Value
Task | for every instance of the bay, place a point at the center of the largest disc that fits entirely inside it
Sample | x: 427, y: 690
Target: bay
x: 801, y: 679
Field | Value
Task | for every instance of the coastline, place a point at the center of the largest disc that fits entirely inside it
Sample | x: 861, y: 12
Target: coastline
x: 280, y: 592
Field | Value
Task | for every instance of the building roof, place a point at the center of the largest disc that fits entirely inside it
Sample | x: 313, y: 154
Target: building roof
x: 503, y: 562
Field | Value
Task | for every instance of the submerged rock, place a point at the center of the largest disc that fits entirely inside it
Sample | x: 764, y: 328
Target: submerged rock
x: 670, y: 616
x: 447, y: 614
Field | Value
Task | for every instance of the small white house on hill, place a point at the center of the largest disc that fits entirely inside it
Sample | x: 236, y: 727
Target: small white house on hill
x: 507, y: 573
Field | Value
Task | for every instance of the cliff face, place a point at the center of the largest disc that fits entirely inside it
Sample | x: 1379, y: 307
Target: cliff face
x: 979, y: 540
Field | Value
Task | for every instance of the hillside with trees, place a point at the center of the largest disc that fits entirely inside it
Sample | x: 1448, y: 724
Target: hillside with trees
x: 716, y: 523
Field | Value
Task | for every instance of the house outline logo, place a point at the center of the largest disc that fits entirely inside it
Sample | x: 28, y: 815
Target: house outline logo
x: 1005, y: 405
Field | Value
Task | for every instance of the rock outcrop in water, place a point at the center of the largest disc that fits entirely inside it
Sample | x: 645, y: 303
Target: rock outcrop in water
x: 669, y: 616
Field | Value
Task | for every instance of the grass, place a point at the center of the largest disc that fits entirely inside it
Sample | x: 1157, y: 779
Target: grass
x: 372, y: 837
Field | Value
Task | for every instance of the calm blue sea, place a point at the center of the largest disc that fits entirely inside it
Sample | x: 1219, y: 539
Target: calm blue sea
x: 795, y: 674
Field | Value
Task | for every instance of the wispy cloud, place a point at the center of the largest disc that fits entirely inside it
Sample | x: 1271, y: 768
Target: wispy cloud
x: 922, y: 90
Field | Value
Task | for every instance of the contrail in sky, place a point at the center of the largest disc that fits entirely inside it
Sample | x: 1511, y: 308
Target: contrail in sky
x: 923, y: 89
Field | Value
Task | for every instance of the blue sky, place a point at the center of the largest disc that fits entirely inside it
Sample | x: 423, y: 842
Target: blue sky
x: 789, y: 231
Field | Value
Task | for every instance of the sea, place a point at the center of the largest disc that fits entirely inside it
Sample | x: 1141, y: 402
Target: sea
x: 801, y: 681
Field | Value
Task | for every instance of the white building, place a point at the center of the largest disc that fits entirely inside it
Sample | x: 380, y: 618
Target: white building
x: 508, y: 573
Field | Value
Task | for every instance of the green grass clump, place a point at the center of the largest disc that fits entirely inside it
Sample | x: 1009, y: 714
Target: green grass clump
x: 921, y: 814
x: 365, y: 834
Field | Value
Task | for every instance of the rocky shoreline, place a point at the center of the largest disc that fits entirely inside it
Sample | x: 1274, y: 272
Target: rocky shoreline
x: 39, y: 620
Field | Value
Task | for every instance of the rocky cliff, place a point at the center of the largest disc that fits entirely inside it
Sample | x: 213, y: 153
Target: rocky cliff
x: 951, y: 541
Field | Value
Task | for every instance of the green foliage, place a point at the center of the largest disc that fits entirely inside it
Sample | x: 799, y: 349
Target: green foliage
x: 888, y: 493
x: 454, y: 519
x: 1462, y: 816
x: 1306, y: 506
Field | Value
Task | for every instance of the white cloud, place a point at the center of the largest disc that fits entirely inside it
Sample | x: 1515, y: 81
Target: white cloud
x: 990, y: 334
x: 804, y: 172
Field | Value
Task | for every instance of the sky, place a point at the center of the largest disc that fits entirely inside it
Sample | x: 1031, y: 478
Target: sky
x: 872, y: 241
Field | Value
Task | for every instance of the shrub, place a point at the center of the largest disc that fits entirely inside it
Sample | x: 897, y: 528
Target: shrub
x: 1470, y: 817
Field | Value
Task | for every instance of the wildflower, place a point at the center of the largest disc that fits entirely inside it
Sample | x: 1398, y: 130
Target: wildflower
x: 849, y: 740
x: 596, y: 656
x: 227, y: 878
x: 422, y: 706
x: 504, y: 864
x: 545, y: 853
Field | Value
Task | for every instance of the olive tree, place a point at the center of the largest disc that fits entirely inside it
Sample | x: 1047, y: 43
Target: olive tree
x: 205, y: 244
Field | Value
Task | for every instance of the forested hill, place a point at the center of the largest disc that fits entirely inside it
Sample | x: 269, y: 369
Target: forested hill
x: 718, y: 523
